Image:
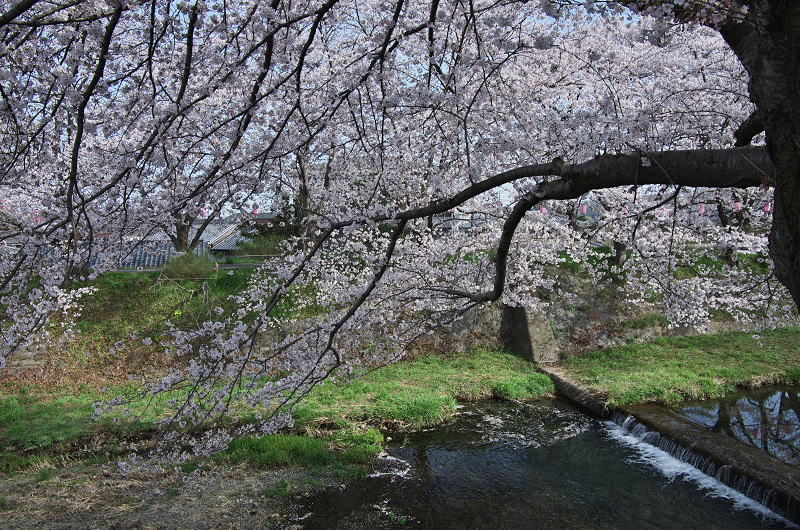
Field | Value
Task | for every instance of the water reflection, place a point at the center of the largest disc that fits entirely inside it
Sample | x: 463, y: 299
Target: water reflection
x: 767, y: 419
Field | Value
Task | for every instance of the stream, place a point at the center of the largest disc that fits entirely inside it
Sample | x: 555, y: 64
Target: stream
x: 543, y: 464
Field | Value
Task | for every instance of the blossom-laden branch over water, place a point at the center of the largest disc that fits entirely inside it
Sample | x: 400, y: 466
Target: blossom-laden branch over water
x: 676, y: 121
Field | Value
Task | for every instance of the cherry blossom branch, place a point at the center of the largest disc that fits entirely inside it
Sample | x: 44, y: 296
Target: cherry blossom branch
x: 721, y: 168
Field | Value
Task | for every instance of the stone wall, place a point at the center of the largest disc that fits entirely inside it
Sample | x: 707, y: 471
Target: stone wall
x: 28, y: 357
x: 539, y: 338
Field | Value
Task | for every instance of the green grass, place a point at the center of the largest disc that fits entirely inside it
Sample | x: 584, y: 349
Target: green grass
x: 190, y: 266
x: 298, y: 450
x: 423, y: 392
x: 264, y: 245
x: 412, y: 394
x: 32, y: 426
x: 11, y: 463
x: 45, y: 474
x: 702, y: 367
x: 143, y: 302
x: 283, y: 488
x: 27, y: 422
x: 279, y: 449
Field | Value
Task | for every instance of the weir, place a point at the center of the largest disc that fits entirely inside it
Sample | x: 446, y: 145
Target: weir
x: 766, y: 480
x: 760, y: 477
x: 513, y: 465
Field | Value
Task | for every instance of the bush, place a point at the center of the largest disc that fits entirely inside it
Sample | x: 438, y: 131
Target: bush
x: 263, y: 245
x: 190, y: 266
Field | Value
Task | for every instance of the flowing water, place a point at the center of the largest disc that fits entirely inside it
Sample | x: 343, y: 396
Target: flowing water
x: 538, y: 465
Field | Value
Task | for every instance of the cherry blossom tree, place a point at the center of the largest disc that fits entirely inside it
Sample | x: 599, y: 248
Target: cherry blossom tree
x: 120, y: 117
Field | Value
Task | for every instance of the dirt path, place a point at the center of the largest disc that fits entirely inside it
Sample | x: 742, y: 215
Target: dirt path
x: 102, y: 497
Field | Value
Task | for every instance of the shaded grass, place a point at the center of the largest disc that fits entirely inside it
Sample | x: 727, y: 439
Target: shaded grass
x: 702, y: 367
x: 37, y: 428
x: 190, y: 266
x: 27, y: 422
x: 423, y: 392
x: 144, y: 302
x: 263, y: 245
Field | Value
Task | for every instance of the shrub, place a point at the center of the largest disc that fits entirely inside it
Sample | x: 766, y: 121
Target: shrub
x: 190, y: 266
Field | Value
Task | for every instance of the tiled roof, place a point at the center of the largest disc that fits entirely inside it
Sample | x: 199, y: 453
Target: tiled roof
x: 155, y: 254
x: 227, y: 241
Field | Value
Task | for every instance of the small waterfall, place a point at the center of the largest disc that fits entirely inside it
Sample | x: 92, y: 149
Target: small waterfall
x: 774, y: 501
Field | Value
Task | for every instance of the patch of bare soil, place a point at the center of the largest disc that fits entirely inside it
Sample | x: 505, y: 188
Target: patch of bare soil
x: 103, y: 497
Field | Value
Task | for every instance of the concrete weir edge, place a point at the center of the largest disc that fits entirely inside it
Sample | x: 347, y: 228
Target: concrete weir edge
x: 741, y: 459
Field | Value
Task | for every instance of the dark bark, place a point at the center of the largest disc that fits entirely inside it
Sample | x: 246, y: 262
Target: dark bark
x: 768, y: 45
x: 723, y: 215
x: 183, y: 226
x: 620, y: 253
x: 16, y: 10
x: 751, y: 127
x: 307, y: 228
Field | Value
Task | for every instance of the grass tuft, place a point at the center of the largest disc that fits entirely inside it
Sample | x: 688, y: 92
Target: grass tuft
x: 45, y: 474
x: 523, y: 386
x: 279, y: 450
x: 283, y: 488
x: 289, y: 449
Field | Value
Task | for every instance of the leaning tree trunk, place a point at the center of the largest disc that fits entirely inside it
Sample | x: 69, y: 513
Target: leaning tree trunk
x: 768, y: 45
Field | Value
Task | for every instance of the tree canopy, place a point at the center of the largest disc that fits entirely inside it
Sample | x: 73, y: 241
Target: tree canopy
x: 677, y: 120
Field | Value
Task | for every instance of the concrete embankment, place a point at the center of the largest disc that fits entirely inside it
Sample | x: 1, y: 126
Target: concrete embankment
x: 593, y: 401
x: 743, y: 464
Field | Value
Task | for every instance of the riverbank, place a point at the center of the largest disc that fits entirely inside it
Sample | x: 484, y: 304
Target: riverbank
x: 666, y: 370
x: 629, y: 380
x: 60, y: 468
x: 55, y: 458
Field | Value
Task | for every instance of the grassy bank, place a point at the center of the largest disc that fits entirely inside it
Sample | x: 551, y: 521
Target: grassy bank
x: 423, y: 392
x: 702, y: 367
x: 335, y: 426
x: 47, y: 416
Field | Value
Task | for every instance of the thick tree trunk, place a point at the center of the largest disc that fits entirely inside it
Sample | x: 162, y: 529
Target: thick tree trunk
x: 183, y: 226
x: 784, y: 239
x: 182, y: 237
x: 768, y: 45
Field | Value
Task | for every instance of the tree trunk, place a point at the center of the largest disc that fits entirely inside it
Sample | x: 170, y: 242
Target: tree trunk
x: 620, y: 253
x: 306, y: 227
x: 768, y: 45
x: 182, y: 237
x: 183, y: 225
